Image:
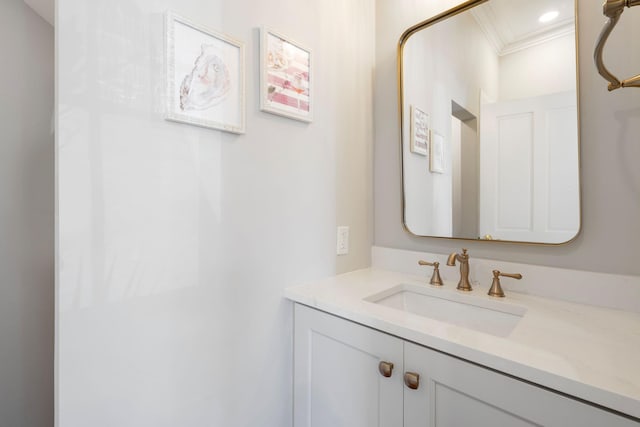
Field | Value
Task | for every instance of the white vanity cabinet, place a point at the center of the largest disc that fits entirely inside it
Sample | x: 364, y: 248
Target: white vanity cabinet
x: 337, y: 379
x: 453, y: 392
x: 338, y: 383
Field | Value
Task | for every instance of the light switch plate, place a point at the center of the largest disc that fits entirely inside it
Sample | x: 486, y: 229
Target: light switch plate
x: 342, y: 247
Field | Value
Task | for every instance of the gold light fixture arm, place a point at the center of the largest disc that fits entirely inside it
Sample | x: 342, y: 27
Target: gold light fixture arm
x: 613, y: 9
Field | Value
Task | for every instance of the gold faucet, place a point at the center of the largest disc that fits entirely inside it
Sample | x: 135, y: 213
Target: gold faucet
x: 496, y: 289
x: 463, y: 258
x: 436, y: 280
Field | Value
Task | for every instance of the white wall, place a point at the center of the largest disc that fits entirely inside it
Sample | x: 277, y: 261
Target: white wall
x: 428, y: 81
x: 610, y: 125
x: 26, y: 217
x: 547, y: 68
x: 176, y: 242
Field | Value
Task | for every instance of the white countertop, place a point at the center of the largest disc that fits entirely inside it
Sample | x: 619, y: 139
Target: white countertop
x: 588, y: 352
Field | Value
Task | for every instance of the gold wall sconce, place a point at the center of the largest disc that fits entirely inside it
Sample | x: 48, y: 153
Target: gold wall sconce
x: 613, y: 9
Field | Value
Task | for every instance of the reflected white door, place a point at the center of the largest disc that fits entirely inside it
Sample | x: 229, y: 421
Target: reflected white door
x: 529, y: 177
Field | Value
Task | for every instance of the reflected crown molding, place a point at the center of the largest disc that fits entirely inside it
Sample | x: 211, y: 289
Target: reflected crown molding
x: 505, y: 42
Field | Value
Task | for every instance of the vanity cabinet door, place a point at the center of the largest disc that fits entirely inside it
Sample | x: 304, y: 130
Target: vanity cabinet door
x: 337, y: 373
x: 456, y: 393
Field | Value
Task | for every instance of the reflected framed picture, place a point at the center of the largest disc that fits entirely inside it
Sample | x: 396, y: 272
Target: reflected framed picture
x: 286, y: 77
x: 205, y: 76
x: 436, y: 160
x: 419, y: 131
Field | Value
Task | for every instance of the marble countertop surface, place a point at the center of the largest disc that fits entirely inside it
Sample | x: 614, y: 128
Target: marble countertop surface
x: 588, y: 352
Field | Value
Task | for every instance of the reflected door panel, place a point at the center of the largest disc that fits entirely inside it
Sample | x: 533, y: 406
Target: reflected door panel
x: 530, y: 189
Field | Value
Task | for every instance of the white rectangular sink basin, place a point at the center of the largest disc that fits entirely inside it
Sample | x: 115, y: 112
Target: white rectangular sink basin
x: 475, y: 311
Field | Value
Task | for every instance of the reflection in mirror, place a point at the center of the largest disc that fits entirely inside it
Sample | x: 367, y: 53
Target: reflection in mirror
x: 490, y: 123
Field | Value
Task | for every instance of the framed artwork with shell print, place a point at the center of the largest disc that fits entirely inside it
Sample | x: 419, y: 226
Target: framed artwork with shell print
x: 204, y: 76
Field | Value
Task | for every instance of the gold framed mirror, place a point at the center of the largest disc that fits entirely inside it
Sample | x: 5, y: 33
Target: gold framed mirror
x: 488, y: 98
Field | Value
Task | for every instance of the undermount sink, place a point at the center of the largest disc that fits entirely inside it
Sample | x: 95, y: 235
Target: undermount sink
x: 469, y: 310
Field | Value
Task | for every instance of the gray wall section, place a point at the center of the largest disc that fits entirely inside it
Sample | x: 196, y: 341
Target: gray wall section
x: 610, y: 149
x: 354, y: 127
x: 26, y: 217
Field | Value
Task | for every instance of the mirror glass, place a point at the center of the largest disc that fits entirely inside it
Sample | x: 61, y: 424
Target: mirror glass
x: 489, y: 117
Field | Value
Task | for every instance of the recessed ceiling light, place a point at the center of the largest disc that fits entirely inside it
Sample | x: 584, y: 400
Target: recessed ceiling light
x: 548, y: 17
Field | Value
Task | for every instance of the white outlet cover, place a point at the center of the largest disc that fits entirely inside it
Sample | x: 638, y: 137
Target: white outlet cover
x: 342, y: 246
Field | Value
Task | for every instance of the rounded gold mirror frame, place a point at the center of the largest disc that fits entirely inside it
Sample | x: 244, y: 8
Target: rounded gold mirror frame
x: 470, y: 4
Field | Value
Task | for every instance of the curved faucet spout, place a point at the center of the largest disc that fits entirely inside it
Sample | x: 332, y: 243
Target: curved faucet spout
x: 463, y: 258
x: 452, y: 259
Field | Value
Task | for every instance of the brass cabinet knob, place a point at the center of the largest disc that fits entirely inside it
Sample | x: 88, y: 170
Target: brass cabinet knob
x: 385, y: 368
x: 412, y: 380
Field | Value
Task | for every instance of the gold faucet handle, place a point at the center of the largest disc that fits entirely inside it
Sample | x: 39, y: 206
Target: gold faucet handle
x: 436, y: 280
x: 517, y: 276
x: 496, y: 288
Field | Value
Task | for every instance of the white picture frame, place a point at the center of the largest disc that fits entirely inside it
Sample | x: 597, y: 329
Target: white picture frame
x: 205, y: 76
x: 419, y: 131
x: 286, y: 76
x: 436, y: 158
